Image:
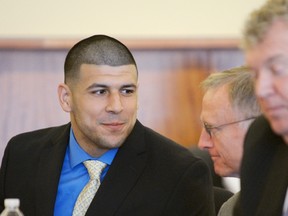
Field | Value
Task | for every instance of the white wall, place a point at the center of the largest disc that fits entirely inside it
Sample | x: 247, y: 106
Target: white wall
x: 124, y: 18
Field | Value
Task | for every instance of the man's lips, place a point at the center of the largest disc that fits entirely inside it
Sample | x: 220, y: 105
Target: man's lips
x: 273, y: 109
x: 114, y: 125
x: 214, y: 156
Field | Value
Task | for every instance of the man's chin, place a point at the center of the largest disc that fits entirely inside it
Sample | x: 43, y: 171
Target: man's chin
x: 221, y: 171
x: 279, y: 126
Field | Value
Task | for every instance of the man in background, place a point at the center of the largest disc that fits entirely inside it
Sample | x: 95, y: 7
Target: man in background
x: 104, y: 162
x: 264, y: 170
x: 229, y: 106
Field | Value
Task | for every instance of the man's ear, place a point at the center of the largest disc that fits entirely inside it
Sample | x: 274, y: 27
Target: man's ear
x: 64, y: 95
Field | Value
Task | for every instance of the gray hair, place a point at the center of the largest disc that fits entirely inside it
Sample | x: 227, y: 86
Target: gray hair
x: 261, y: 20
x: 240, y: 83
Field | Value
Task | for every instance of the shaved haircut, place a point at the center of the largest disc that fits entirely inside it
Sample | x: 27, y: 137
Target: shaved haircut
x: 97, y: 50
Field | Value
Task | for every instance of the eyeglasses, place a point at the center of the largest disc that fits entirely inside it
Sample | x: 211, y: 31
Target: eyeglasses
x: 209, y: 128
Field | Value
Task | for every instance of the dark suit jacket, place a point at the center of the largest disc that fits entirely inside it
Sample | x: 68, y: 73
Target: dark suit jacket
x: 221, y: 195
x: 264, y: 172
x: 204, y: 155
x: 150, y: 176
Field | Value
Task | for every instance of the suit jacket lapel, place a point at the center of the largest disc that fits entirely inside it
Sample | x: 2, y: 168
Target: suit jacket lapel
x: 49, y: 170
x: 126, y: 168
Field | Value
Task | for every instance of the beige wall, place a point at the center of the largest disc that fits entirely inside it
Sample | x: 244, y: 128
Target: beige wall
x: 124, y: 18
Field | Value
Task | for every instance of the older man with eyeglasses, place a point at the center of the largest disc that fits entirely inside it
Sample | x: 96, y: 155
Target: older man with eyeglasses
x: 229, y: 106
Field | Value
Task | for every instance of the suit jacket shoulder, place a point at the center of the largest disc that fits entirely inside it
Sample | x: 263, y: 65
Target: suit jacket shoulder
x: 153, y: 175
x: 228, y: 207
x: 36, y: 158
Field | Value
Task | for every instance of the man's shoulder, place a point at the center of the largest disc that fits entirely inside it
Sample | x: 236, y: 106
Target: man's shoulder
x: 164, y: 143
x: 261, y: 123
x: 39, y: 135
x: 169, y: 150
x: 228, y: 207
x: 261, y: 134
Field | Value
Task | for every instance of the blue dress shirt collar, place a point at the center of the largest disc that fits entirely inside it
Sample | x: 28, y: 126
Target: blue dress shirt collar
x: 78, y: 155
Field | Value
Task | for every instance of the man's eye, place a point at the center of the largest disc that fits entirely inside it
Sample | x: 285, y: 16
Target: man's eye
x: 99, y: 92
x: 279, y: 66
x: 278, y: 70
x: 127, y: 91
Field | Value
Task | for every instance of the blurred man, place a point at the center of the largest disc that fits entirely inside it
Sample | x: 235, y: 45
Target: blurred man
x: 264, y: 170
x: 229, y: 106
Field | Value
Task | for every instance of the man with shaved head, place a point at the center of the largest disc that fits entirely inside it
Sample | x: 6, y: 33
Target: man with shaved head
x: 104, y: 162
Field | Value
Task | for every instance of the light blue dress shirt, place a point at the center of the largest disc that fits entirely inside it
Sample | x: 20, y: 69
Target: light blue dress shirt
x: 74, y: 175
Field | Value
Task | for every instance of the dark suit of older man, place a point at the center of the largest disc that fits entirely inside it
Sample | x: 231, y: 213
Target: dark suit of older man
x: 264, y: 172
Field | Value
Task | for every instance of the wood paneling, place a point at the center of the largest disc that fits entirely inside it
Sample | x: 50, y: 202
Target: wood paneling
x: 170, y: 103
x: 134, y: 44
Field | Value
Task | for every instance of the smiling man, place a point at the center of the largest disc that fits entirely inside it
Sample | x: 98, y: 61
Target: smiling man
x: 229, y: 106
x: 104, y: 162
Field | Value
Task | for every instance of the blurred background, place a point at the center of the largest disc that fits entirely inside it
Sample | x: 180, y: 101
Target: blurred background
x: 175, y: 43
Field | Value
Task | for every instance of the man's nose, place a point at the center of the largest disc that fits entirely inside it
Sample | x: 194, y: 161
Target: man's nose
x: 263, y: 84
x: 114, y: 103
x: 205, y: 141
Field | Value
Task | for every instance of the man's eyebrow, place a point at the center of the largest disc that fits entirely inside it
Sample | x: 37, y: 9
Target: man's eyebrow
x: 129, y: 86
x: 271, y: 60
x: 277, y: 58
x: 96, y: 85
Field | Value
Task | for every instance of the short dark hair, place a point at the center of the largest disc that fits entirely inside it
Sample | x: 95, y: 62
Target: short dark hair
x: 98, y: 50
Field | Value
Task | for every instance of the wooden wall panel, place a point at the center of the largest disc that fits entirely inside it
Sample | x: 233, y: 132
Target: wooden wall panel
x: 172, y: 104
